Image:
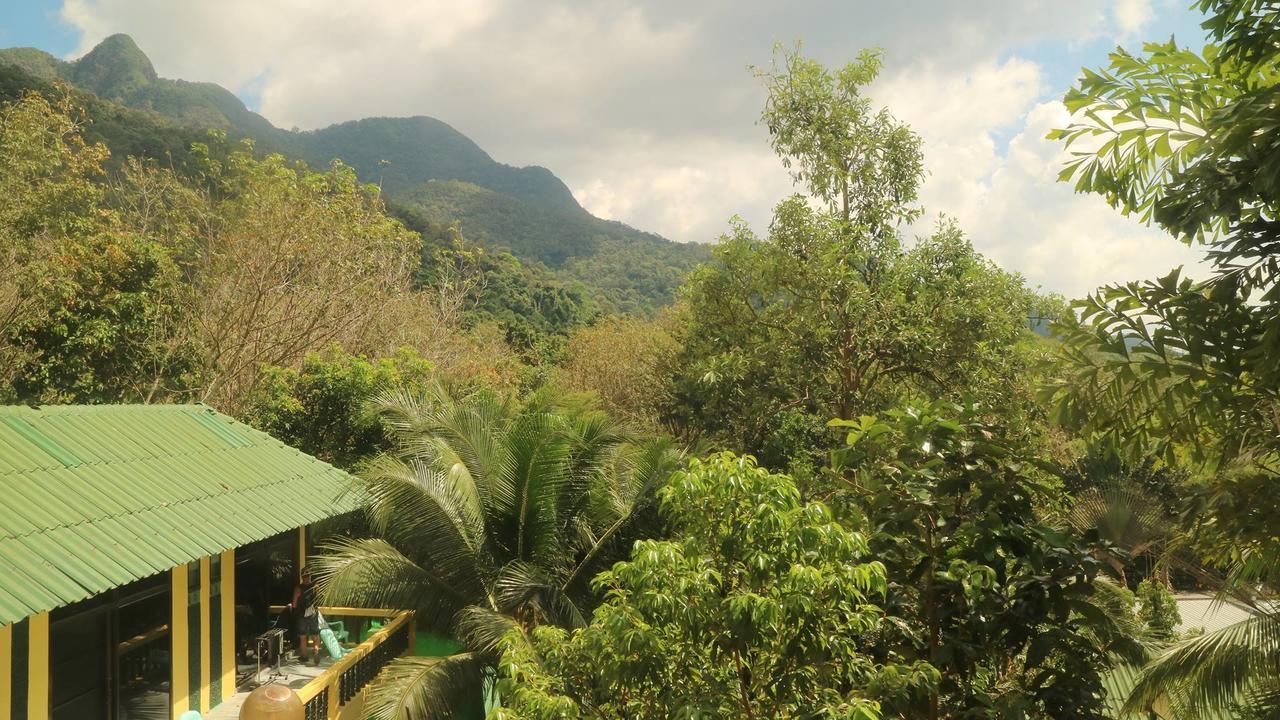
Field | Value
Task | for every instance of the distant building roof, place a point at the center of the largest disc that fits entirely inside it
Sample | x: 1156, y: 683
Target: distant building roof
x: 1199, y: 611
x: 94, y: 497
x: 1207, y: 612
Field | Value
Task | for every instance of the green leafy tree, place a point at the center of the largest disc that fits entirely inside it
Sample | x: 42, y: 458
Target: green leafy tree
x: 488, y: 514
x: 1188, y: 140
x: 46, y: 184
x: 322, y: 407
x: 761, y: 607
x: 831, y: 314
x: 1181, y: 138
x: 1157, y: 609
x: 89, y: 310
x: 980, y: 584
x: 111, y: 327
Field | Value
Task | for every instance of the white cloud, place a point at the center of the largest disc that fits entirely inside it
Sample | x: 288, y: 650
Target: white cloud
x: 646, y: 109
x: 1011, y: 203
x: 1133, y: 15
x: 693, y: 197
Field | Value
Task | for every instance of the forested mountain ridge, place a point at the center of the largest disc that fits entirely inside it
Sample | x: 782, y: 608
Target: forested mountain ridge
x: 421, y: 163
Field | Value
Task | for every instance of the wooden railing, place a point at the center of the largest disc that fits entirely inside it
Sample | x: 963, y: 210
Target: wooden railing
x: 326, y: 694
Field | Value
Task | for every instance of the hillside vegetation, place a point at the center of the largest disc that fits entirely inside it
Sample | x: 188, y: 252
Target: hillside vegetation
x: 421, y: 163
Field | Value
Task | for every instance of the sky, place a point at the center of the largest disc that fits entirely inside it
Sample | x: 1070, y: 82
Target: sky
x: 647, y: 109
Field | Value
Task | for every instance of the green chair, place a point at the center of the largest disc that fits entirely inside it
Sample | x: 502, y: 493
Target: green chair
x: 339, y: 629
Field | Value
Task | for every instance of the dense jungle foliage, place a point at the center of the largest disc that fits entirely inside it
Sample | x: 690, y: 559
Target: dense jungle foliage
x: 830, y: 472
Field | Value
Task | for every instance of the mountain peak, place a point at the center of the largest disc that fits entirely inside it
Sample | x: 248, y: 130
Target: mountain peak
x: 115, y: 67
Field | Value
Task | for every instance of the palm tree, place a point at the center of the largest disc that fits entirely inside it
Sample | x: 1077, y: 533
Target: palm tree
x: 489, y: 514
x: 1128, y: 505
x: 1234, y: 669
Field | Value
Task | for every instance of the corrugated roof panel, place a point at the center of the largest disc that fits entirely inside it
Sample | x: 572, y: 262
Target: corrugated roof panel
x: 40, y: 568
x: 10, y: 606
x: 98, y: 496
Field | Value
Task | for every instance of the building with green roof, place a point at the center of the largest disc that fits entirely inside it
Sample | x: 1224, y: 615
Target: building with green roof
x: 139, y: 546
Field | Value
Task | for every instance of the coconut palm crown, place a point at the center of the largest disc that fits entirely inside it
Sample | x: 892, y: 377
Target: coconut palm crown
x: 489, y: 513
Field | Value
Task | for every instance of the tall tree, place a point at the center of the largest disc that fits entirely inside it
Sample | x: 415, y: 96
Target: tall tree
x: 295, y: 261
x: 90, y: 311
x: 321, y: 407
x: 831, y: 314
x: 980, y: 583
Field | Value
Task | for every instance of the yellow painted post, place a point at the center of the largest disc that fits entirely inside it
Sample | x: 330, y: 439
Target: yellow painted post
x: 205, y: 579
x: 228, y: 595
x: 178, y: 685
x: 38, y: 668
x: 302, y: 549
x: 6, y: 670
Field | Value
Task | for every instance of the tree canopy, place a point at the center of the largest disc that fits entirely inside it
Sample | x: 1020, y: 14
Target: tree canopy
x: 762, y: 607
x: 832, y: 314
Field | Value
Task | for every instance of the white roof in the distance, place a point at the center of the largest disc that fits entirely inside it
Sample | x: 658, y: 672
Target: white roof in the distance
x: 1208, y: 612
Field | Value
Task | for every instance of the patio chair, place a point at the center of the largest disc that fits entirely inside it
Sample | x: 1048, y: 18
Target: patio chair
x: 339, y: 629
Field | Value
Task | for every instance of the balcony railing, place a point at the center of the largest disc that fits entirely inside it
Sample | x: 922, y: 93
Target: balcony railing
x: 324, y: 696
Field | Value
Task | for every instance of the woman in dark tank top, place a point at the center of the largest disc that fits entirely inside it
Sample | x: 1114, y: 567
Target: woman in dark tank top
x: 306, y: 618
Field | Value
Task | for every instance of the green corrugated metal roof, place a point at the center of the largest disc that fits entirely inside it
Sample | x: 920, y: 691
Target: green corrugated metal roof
x: 93, y: 497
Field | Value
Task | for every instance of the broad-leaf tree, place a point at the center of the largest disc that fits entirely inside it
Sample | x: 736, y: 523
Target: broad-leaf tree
x: 321, y: 408
x: 761, y: 606
x: 980, y: 584
x: 90, y: 310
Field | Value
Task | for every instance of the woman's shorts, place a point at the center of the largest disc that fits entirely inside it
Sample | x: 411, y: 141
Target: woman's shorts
x: 308, y: 624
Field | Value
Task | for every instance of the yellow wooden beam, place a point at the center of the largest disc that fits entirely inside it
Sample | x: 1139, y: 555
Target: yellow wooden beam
x: 6, y: 670
x: 38, y: 667
x: 228, y: 623
x: 206, y: 578
x: 336, y: 611
x: 302, y: 549
x: 179, y: 685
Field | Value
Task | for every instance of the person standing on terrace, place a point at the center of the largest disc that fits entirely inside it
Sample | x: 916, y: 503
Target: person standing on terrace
x: 306, y: 619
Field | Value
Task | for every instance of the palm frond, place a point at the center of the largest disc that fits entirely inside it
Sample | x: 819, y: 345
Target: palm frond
x: 403, y: 412
x: 438, y: 516
x: 1263, y: 699
x: 372, y: 573
x: 1122, y: 513
x: 526, y: 592
x: 540, y: 456
x: 638, y: 471
x: 470, y: 441
x: 1122, y: 636
x: 426, y: 688
x: 481, y: 629
x: 1215, y: 669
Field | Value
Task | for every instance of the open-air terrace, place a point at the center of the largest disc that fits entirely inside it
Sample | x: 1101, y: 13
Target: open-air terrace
x: 333, y: 688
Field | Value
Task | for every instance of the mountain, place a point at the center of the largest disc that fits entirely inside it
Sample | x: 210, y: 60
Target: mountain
x: 422, y: 164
